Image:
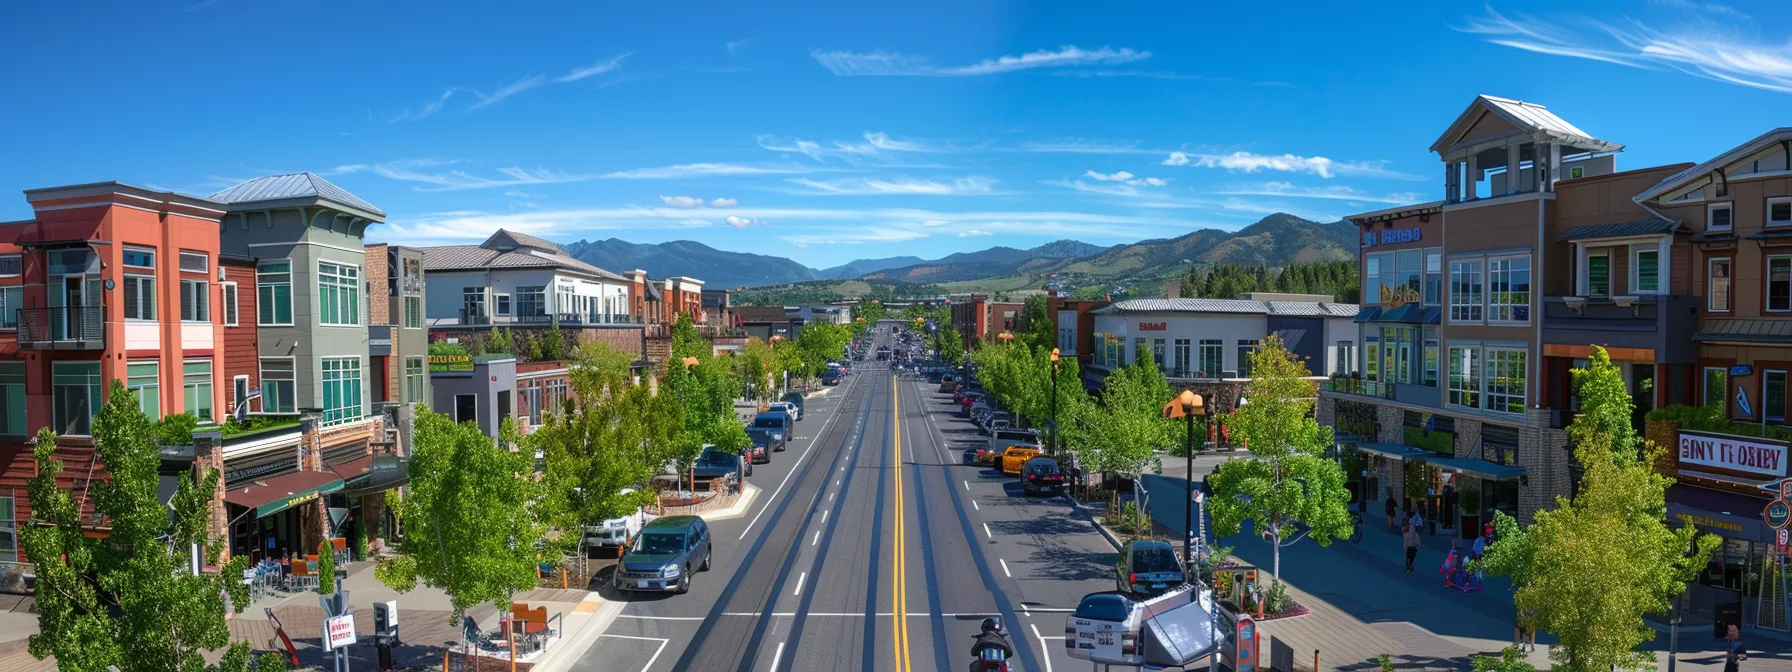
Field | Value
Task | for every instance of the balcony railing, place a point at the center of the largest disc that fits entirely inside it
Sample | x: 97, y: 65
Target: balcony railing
x: 63, y: 328
x: 1358, y: 386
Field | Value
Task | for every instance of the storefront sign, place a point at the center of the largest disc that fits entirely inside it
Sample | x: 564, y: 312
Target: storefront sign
x: 1751, y: 455
x: 1704, y: 521
x: 450, y: 363
x: 1741, y: 370
x: 1777, y: 514
x: 1392, y: 237
x: 1153, y: 326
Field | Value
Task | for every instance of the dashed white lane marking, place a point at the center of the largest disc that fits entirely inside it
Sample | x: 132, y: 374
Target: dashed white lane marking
x: 830, y: 496
x: 786, y: 481
x: 1005, y: 571
x: 987, y: 533
x: 976, y: 506
x: 967, y: 486
x: 799, y: 583
x: 777, y: 657
x: 817, y: 538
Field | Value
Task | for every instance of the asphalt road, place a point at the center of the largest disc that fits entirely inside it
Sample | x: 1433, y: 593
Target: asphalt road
x: 873, y: 546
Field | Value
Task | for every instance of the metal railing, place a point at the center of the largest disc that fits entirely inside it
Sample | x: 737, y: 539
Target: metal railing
x: 1359, y: 386
x: 79, y: 326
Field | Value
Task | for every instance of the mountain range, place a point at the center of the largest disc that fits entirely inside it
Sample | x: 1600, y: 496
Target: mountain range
x: 1277, y: 240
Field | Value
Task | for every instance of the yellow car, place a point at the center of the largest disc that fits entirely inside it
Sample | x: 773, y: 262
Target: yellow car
x: 1015, y: 457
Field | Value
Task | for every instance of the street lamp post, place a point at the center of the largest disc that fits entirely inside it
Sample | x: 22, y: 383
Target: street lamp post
x: 1186, y: 406
x: 1054, y: 443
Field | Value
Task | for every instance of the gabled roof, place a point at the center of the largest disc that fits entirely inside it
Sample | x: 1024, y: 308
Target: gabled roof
x: 505, y: 239
x: 1741, y: 153
x: 1531, y: 118
x: 1289, y: 308
x: 296, y: 186
x: 499, y: 252
x: 1648, y: 227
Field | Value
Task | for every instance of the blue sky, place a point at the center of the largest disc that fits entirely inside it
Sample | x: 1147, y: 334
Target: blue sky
x: 825, y: 133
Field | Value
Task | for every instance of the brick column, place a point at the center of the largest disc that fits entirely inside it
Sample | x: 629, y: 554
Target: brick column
x: 311, y: 458
x: 208, y: 456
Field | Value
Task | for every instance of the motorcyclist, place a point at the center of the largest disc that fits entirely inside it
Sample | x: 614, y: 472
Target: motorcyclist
x: 991, y: 638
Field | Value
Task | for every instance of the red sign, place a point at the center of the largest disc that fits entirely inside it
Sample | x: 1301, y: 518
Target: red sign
x: 1153, y: 326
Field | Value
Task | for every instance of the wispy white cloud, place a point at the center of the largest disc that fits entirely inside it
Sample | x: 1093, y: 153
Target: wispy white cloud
x: 483, y: 99
x: 736, y: 45
x: 1247, y: 162
x: 597, y: 68
x: 1335, y: 193
x: 1148, y: 74
x: 967, y: 233
x: 878, y: 63
x: 723, y: 203
x: 415, y: 170
x: 969, y: 186
x: 883, y: 141
x: 744, y: 222
x: 877, y: 150
x: 682, y: 201
x: 685, y: 170
x: 1078, y: 146
x: 1698, y: 48
x: 931, y: 223
x: 518, y: 193
x: 1124, y: 177
x: 694, y: 223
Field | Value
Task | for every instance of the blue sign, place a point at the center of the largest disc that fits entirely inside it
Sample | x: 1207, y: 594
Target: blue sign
x: 1741, y: 370
x: 1393, y: 237
x: 1742, y: 402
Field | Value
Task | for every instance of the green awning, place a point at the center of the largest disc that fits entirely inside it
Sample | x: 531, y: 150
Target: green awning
x: 273, y: 495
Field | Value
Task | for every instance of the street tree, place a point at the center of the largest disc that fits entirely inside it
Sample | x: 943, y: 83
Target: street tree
x: 598, y: 447
x: 130, y: 599
x: 1036, y: 316
x: 1129, y: 425
x: 600, y: 369
x: 1589, y: 569
x: 949, y: 344
x: 1287, y: 488
x: 467, y: 526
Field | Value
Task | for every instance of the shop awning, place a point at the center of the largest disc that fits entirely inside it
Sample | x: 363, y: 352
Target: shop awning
x: 273, y: 495
x: 1729, y: 514
x: 1410, y: 313
x: 1479, y: 468
x: 1398, y: 451
x: 370, y: 474
x: 1763, y: 484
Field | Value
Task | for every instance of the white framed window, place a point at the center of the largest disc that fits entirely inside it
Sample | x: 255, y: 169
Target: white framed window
x: 273, y: 297
x: 472, y: 304
x: 239, y: 391
x: 1212, y: 357
x: 1509, y: 289
x: 144, y: 380
x: 342, y: 389
x: 413, y: 312
x: 140, y: 257
x: 1645, y: 270
x: 139, y: 297
x: 1773, y: 395
x: 500, y: 304
x: 9, y: 531
x: 1717, y: 217
x: 278, y: 375
x: 12, y: 399
x: 1599, y: 273
x: 338, y: 294
x: 11, y: 265
x: 230, y: 305
x: 1465, y: 291
x: 195, y: 262
x: 1779, y: 284
x: 1779, y: 211
x: 415, y: 381
x: 532, y: 301
x: 1465, y: 377
x: 196, y: 381
x: 1346, y: 358
x: 1372, y: 353
x: 1505, y: 380
x: 195, y: 301
x: 11, y: 300
x: 1717, y: 284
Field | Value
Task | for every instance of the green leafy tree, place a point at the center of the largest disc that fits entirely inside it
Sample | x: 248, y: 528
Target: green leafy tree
x: 1037, y: 321
x: 597, y: 368
x: 611, y: 439
x: 500, y: 342
x: 1591, y: 568
x: 949, y: 344
x: 130, y: 599
x: 553, y: 341
x: 468, y: 528
x: 326, y: 568
x: 1288, y: 482
x: 1129, y: 425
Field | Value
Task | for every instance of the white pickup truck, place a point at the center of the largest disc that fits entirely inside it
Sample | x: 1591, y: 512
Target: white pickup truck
x: 616, y: 533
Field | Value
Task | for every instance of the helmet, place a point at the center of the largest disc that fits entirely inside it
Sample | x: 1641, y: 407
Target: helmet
x: 991, y: 625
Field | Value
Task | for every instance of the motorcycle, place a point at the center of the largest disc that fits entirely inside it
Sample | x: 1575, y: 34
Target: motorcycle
x: 991, y: 648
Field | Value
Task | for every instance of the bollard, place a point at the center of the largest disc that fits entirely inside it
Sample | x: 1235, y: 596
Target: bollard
x: 1315, y: 660
x: 445, y: 654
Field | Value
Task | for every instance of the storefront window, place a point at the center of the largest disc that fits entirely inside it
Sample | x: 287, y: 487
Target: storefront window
x: 1372, y: 356
x: 1716, y: 385
x: 1430, y: 357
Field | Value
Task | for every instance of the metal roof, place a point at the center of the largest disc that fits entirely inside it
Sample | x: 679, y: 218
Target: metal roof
x: 294, y: 185
x: 1528, y: 117
x: 474, y: 257
x: 1290, y: 308
x: 1695, y: 173
x: 1647, y: 227
x: 1748, y: 330
x: 498, y: 240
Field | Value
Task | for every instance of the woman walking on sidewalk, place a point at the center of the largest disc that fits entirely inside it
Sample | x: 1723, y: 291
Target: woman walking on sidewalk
x: 1391, y: 508
x: 1410, y: 535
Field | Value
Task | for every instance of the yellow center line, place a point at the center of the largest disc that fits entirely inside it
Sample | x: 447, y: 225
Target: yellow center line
x: 899, y: 554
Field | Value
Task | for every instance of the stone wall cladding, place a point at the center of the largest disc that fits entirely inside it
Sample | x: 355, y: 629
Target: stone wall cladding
x: 1468, y: 437
x: 1326, y: 411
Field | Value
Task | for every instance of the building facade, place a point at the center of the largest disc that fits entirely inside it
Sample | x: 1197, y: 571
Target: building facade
x: 980, y: 320
x: 518, y: 280
x: 1212, y: 339
x: 397, y: 340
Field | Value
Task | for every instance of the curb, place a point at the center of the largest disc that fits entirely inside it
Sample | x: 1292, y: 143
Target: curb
x: 1084, y: 513
x: 573, y: 647
x: 748, y: 493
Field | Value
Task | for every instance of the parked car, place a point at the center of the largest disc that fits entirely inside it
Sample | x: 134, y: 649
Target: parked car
x: 1001, y: 439
x: 793, y: 410
x: 778, y: 421
x: 1148, y: 567
x: 794, y: 399
x: 948, y: 383
x: 995, y: 424
x: 773, y: 440
x: 986, y: 455
x: 615, y: 533
x: 832, y: 377
x: 712, y: 463
x: 756, y: 453
x: 1041, y: 474
x: 1105, y: 626
x: 1014, y: 458
x: 665, y: 555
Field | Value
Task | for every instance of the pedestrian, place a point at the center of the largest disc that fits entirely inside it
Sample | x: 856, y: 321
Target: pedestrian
x: 1734, y: 654
x: 1418, y: 520
x: 1391, y: 508
x: 1410, y: 535
x: 1523, y: 636
x: 1480, y: 547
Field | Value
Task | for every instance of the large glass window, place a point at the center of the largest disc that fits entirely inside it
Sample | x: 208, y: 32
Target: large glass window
x: 556, y: 395
x: 1434, y: 277
x: 531, y: 302
x: 74, y: 396
x: 1430, y: 357
x: 1717, y: 284
x: 338, y: 294
x: 12, y: 399
x: 1509, y: 289
x: 1779, y: 284
x: 278, y: 393
x: 273, y: 292
x: 414, y: 381
x: 1396, y: 354
x: 195, y: 301
x: 228, y: 289
x: 1465, y: 291
x: 342, y: 389
x: 196, y: 381
x: 1465, y: 377
x: 144, y: 379
x: 9, y: 531
x: 1182, y: 355
x: 1505, y: 380
x: 1213, y: 357
x: 11, y: 300
x: 1346, y: 357
x: 1245, y: 348
x: 532, y: 399
x: 1647, y: 267
x: 11, y: 265
x: 139, y: 297
x: 1157, y: 353
x: 1773, y: 395
x: 413, y: 312
x: 1717, y: 384
x: 1372, y: 355
x: 1599, y: 274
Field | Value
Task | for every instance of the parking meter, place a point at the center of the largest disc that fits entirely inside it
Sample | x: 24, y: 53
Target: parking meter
x: 385, y: 631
